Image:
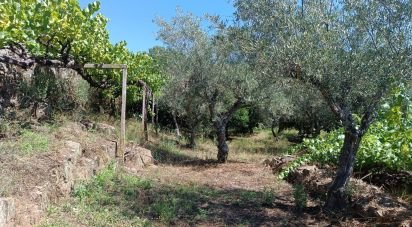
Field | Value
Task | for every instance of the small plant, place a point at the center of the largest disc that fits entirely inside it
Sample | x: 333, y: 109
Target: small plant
x: 166, y: 209
x: 351, y: 189
x: 300, y: 196
x: 268, y: 197
x: 81, y: 191
x: 31, y: 142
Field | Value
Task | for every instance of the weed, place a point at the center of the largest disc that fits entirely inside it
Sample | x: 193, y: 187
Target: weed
x: 351, y: 189
x: 268, y: 197
x: 300, y: 196
x: 109, y: 199
x: 165, y: 209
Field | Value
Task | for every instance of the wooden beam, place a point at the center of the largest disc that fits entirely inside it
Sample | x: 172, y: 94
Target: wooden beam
x: 104, y: 66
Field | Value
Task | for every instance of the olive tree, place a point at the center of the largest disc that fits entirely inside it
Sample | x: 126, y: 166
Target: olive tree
x: 352, y: 51
x: 207, y: 73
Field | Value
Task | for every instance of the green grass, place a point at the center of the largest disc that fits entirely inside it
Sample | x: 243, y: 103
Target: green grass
x: 28, y: 141
x: 109, y: 199
x: 261, y: 142
x: 33, y: 142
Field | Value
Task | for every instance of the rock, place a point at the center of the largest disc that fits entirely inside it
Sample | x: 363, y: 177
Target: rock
x: 303, y: 174
x: 277, y: 163
x: 137, y: 157
x: 7, y: 210
x: 69, y: 163
x: 99, y: 127
x: 87, y: 124
x: 105, y: 128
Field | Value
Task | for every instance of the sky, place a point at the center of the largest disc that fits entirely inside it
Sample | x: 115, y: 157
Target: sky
x: 132, y: 20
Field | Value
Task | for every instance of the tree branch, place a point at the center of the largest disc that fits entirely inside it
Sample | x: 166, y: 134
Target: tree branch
x: 25, y: 61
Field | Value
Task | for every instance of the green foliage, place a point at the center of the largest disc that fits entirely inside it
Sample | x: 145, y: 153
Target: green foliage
x: 62, y: 30
x: 240, y: 121
x: 207, y: 75
x: 32, y: 142
x: 387, y: 144
x: 300, y: 197
x: 52, y: 87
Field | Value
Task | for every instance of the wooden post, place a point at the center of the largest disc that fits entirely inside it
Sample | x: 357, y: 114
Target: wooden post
x: 157, y: 118
x: 122, y: 144
x: 145, y: 136
x: 121, y: 151
x: 153, y: 110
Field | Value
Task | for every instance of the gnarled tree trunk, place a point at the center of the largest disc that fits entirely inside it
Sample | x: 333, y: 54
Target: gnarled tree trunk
x: 337, y: 199
x: 223, y: 149
x: 273, y: 128
x: 192, y: 136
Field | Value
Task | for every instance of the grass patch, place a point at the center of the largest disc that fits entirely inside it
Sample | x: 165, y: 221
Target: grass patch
x: 111, y: 198
x: 261, y: 142
x: 28, y: 141
x: 32, y: 142
x: 166, y: 151
x: 258, y: 146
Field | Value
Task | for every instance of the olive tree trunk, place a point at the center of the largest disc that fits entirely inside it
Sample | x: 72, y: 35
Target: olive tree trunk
x: 192, y: 139
x: 337, y: 198
x: 220, y: 124
x: 178, y: 135
x: 273, y: 128
x: 222, y: 147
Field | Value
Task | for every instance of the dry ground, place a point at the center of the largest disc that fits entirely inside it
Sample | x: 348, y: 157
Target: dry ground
x: 186, y: 188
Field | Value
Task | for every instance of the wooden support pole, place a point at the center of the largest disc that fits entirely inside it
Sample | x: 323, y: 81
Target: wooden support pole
x: 145, y: 135
x: 120, y: 153
x: 157, y: 118
x: 153, y: 110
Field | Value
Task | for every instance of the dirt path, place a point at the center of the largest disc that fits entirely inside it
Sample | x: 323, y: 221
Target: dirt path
x: 246, y: 194
x: 230, y: 176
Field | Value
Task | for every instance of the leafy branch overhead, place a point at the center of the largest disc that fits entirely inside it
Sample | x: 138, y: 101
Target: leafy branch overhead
x: 62, y: 34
